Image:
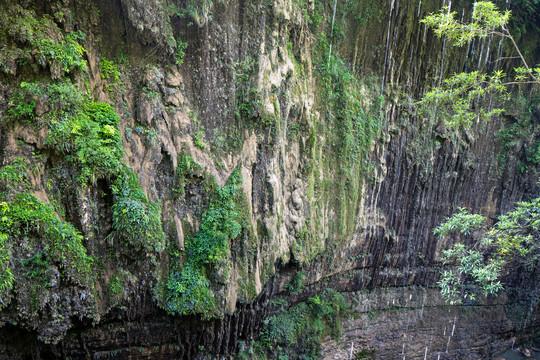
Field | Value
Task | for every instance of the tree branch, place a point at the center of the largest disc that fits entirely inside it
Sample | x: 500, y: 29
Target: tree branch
x: 520, y: 54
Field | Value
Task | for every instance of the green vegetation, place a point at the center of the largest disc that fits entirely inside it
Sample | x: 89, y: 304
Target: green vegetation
x: 520, y: 130
x: 512, y: 241
x: 188, y: 286
x: 198, y: 138
x: 296, y: 285
x: 200, y: 11
x: 185, y: 169
x: 86, y: 133
x: 14, y: 175
x: 6, y: 275
x: 298, y: 332
x: 25, y: 215
x: 510, y: 244
x: 461, y: 95
x: 61, y: 52
x: 180, y: 52
x: 248, y: 102
x: 354, y: 123
x: 136, y: 221
x: 109, y: 71
x: 90, y: 140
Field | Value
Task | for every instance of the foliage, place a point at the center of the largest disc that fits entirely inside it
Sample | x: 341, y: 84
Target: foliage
x: 6, y: 275
x: 485, y: 17
x: 198, y: 138
x: 66, y: 53
x: 14, y: 175
x: 188, y: 292
x: 25, y: 215
x: 512, y: 242
x: 188, y: 288
x: 62, y: 52
x: 299, y: 330
x: 180, y: 52
x: 90, y: 140
x: 60, y: 98
x: 248, y: 101
x: 86, y: 132
x: 462, y: 94
x: 296, y: 285
x: 136, y: 220
x: 199, y: 11
x: 459, y: 94
x: 463, y: 222
x: 186, y: 168
x: 109, y: 71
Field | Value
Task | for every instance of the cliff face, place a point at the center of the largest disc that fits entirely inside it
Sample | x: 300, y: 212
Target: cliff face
x: 196, y: 179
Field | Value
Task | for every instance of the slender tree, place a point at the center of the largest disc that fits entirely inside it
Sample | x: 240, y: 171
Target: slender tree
x: 460, y: 94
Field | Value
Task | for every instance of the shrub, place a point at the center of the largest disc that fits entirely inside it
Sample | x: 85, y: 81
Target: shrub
x: 135, y: 219
x: 188, y: 289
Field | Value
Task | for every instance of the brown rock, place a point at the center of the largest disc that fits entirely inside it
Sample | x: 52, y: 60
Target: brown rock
x: 41, y: 106
x: 173, y: 79
x: 525, y: 352
x: 176, y: 99
x: 145, y: 112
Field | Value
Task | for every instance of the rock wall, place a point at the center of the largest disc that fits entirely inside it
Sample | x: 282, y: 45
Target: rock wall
x: 342, y: 181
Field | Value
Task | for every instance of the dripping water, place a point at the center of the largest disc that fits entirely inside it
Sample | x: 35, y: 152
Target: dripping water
x: 387, y: 45
x: 487, y: 50
x: 444, y: 47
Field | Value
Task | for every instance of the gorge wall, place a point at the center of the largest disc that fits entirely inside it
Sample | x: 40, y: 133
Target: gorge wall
x: 212, y: 179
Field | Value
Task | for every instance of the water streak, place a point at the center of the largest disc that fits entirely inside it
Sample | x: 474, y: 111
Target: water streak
x: 387, y: 45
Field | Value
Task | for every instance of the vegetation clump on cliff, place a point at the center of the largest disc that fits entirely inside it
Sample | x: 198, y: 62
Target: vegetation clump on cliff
x: 188, y: 288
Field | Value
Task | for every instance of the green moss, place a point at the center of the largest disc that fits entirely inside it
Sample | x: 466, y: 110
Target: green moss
x: 353, y: 121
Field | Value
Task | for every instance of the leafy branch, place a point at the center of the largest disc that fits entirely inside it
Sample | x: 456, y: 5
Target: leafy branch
x: 512, y: 242
x: 460, y: 95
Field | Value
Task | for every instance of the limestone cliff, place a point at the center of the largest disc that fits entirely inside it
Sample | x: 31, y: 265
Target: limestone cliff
x: 202, y: 179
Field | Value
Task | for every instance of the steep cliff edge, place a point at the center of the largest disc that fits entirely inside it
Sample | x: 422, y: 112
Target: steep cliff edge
x: 197, y: 179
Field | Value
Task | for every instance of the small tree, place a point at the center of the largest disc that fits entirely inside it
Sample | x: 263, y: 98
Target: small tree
x: 460, y: 93
x: 514, y: 240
